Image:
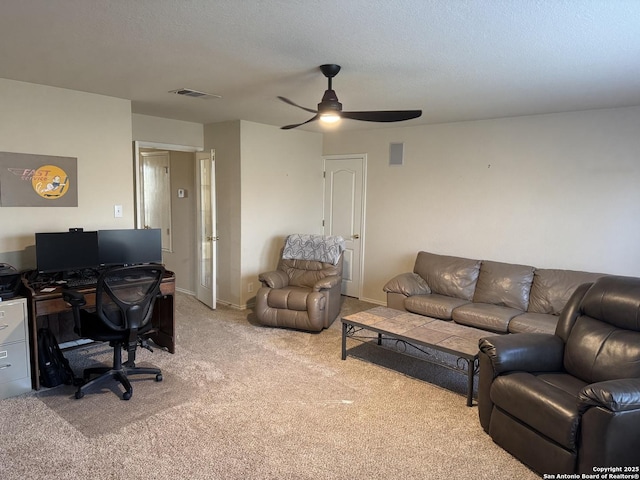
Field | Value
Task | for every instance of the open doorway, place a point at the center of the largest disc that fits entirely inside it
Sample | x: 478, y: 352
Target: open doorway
x: 180, y: 197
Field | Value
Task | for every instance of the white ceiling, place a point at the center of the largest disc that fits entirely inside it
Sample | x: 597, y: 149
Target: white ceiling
x: 454, y: 59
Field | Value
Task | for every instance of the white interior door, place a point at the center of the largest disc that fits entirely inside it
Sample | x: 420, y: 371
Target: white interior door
x: 206, y: 224
x: 344, y: 193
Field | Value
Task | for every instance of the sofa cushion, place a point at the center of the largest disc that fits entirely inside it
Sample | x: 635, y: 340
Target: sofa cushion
x: 552, y: 288
x: 534, y: 323
x: 450, y: 276
x: 485, y: 316
x: 504, y: 284
x: 433, y: 305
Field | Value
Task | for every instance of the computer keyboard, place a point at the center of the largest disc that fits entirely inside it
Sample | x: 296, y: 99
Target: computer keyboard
x: 82, y: 282
x: 91, y: 281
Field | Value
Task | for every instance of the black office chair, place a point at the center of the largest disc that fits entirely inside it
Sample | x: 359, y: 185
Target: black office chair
x: 124, y: 305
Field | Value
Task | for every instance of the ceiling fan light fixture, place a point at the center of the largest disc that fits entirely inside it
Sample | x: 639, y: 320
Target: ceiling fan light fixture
x: 330, y: 117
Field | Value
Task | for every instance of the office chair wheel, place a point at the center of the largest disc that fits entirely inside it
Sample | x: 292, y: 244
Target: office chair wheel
x: 127, y: 395
x: 159, y: 377
x: 79, y: 394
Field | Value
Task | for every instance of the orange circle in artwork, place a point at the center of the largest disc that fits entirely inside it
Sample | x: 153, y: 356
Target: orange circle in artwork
x: 50, y: 182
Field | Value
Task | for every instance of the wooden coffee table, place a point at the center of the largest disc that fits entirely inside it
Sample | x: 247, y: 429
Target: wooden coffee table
x: 419, y: 332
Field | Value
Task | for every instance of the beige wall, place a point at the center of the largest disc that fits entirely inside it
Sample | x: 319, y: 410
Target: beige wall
x: 162, y: 130
x: 52, y: 121
x: 555, y: 191
x: 281, y: 194
x: 551, y: 190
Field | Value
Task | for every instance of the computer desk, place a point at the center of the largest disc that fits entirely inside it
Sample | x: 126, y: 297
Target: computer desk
x: 41, y: 304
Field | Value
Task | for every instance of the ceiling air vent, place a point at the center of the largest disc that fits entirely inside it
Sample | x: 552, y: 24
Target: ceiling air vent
x: 188, y: 92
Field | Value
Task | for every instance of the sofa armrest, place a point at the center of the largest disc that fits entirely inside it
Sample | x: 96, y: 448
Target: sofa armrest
x: 327, y: 283
x: 274, y: 279
x: 407, y: 284
x: 529, y: 352
x: 617, y: 395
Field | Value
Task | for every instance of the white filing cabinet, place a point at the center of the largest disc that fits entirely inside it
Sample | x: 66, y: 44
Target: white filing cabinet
x: 15, y: 369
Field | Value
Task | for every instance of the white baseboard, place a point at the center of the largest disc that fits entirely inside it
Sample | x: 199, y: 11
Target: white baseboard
x: 371, y: 300
x: 187, y: 292
x: 246, y: 306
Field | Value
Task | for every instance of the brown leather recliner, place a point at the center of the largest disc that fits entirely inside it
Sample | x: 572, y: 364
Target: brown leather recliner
x: 300, y: 294
x: 569, y: 402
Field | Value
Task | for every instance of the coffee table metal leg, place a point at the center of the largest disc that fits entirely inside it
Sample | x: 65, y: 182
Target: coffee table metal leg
x: 379, y: 339
x: 344, y: 341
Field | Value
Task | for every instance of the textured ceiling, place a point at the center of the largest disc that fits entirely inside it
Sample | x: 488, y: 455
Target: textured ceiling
x: 454, y: 59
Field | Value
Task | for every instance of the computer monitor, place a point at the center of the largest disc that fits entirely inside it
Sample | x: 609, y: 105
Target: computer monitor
x: 66, y: 251
x: 130, y: 247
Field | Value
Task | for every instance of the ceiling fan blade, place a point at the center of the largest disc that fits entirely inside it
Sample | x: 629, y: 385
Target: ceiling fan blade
x: 382, y: 115
x: 286, y: 100
x: 289, y: 127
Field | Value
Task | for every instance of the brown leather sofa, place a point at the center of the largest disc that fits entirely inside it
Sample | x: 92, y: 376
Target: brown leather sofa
x: 569, y: 402
x: 493, y: 296
x: 300, y: 294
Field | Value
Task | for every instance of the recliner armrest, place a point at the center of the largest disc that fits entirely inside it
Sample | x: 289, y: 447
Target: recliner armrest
x: 274, y: 279
x: 528, y: 352
x: 617, y: 395
x: 327, y: 283
x: 407, y: 284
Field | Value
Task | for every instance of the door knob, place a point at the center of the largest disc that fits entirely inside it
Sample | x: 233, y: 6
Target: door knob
x: 356, y: 236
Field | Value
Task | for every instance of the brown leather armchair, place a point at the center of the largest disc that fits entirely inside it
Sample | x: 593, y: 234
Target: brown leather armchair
x: 569, y: 402
x: 300, y: 294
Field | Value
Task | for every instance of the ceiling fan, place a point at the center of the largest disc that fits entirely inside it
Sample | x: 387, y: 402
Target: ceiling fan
x: 330, y: 109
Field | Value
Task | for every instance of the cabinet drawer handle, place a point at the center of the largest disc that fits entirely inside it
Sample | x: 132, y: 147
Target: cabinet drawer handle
x: 6, y: 365
x: 2, y: 327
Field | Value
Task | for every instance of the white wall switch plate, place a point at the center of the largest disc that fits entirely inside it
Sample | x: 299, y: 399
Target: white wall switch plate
x: 117, y: 211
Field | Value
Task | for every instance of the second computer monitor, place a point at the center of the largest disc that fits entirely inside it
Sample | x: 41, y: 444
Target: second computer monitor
x: 130, y: 246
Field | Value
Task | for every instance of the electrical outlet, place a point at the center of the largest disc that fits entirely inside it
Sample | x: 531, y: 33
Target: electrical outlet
x: 250, y: 287
x: 117, y: 211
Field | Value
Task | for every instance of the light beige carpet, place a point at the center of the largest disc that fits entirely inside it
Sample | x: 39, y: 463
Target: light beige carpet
x: 242, y: 401
x: 102, y: 410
